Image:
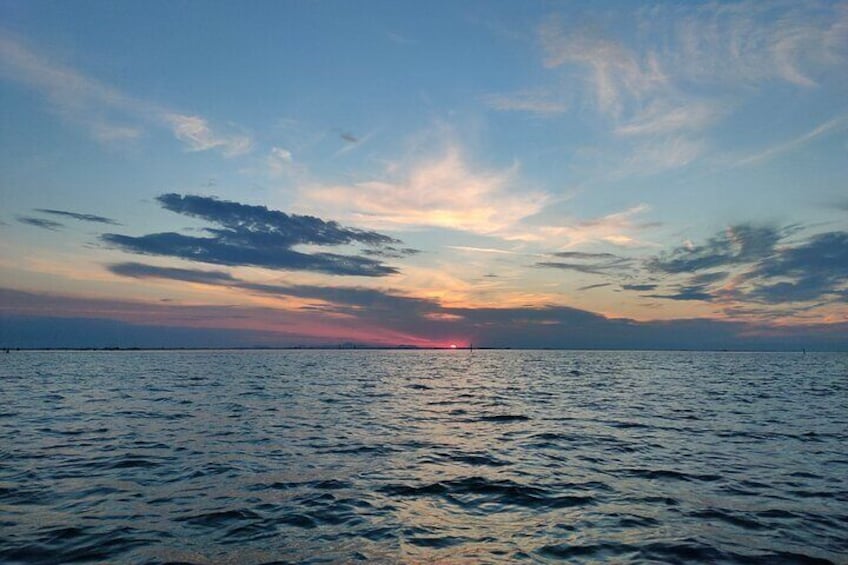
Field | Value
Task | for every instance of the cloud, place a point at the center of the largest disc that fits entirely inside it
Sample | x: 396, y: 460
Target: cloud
x: 352, y: 142
x: 218, y: 251
x: 731, y: 44
x: 587, y: 256
x: 666, y: 117
x: 613, y: 70
x: 589, y: 263
x: 829, y: 126
x: 813, y: 270
x: 660, y: 155
x: 366, y: 303
x: 535, y: 102
x: 739, y: 244
x: 753, y: 42
x: 697, y: 287
x: 41, y: 223
x: 279, y: 160
x: 257, y: 236
x: 684, y: 67
x: 687, y: 293
x: 81, y: 217
x: 391, y: 252
x: 591, y: 286
x: 33, y: 320
x: 103, y: 109
x: 142, y: 271
x: 639, y: 287
x: 196, y: 133
x: 766, y: 271
x: 472, y: 249
x: 618, y: 228
x: 444, y: 192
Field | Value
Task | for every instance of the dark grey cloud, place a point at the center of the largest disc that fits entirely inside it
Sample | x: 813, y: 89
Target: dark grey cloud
x: 591, y: 286
x: 639, y: 287
x: 81, y: 217
x: 588, y: 263
x: 391, y: 252
x: 708, y: 278
x: 257, y: 236
x: 588, y: 256
x: 41, y: 223
x: 739, y: 244
x: 813, y: 270
x: 244, y: 223
x: 143, y: 271
x: 687, y: 293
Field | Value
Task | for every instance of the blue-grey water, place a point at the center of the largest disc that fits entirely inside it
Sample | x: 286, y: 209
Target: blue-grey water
x: 423, y: 456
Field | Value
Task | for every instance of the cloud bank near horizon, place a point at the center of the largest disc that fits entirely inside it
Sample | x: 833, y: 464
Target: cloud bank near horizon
x: 78, y: 322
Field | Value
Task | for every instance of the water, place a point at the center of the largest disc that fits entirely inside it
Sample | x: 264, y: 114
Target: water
x: 423, y: 456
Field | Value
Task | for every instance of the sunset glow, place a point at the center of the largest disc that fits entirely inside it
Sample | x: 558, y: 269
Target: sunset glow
x: 509, y: 174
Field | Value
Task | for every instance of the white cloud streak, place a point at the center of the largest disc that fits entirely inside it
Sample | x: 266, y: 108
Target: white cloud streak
x: 827, y: 127
x: 619, y: 229
x: 666, y: 117
x: 536, y: 102
x: 104, y: 110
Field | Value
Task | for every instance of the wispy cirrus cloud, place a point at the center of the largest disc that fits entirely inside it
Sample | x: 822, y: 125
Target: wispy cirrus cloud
x: 472, y: 249
x: 745, y: 43
x: 686, y: 67
x: 108, y: 113
x: 541, y: 102
x: 828, y: 127
x: 667, y: 117
x: 613, y: 71
x: 257, y: 236
x: 732, y: 45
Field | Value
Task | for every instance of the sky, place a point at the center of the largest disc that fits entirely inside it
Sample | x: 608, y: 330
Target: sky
x: 507, y: 174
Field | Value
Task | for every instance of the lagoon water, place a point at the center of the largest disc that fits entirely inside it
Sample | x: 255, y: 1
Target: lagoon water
x: 423, y: 456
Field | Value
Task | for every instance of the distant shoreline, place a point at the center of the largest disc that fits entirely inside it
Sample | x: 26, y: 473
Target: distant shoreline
x: 402, y: 348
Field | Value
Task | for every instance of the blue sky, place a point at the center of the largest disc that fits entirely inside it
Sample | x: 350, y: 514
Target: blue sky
x: 425, y: 173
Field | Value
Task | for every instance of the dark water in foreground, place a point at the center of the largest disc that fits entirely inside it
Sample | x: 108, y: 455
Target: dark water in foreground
x: 405, y: 456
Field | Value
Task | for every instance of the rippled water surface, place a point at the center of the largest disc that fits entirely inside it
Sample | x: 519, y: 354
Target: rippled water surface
x: 421, y: 456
